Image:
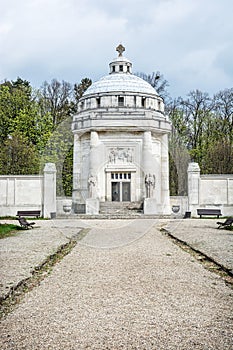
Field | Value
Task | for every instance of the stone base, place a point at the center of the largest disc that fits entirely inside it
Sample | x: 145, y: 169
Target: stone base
x: 92, y: 206
x: 150, y: 206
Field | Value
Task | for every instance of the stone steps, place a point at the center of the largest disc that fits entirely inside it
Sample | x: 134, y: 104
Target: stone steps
x: 120, y: 208
x: 113, y: 216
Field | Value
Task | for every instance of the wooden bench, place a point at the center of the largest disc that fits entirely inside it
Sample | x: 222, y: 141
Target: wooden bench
x: 209, y: 212
x: 34, y: 213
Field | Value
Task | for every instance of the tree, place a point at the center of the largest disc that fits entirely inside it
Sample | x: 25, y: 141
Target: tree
x: 157, y: 81
x: 58, y: 150
x: 56, y: 99
x: 15, y: 98
x: 218, y: 159
x: 223, y: 108
x: 80, y: 88
x: 18, y: 156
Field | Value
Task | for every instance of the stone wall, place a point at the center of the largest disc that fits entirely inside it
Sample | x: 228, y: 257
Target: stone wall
x: 209, y: 191
x: 29, y: 192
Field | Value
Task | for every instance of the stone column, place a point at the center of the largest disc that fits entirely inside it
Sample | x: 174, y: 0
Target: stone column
x: 49, y: 190
x: 94, y: 159
x: 150, y: 204
x: 92, y: 203
x: 165, y: 193
x: 193, y: 186
x: 147, y: 153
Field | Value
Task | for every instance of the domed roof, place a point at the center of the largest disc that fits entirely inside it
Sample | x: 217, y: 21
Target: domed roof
x: 120, y: 82
x: 120, y: 79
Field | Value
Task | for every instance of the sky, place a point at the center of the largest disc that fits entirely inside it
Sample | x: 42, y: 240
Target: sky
x: 190, y: 42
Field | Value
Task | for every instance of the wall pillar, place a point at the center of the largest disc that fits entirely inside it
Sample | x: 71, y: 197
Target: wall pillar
x: 49, y: 190
x: 193, y: 184
x: 76, y: 193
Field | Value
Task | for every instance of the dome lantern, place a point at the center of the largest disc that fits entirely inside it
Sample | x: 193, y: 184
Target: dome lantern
x: 120, y: 64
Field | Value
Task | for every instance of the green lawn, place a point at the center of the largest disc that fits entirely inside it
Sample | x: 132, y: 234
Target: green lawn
x: 7, y: 230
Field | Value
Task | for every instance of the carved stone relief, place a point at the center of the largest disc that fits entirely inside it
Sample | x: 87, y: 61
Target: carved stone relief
x: 120, y: 155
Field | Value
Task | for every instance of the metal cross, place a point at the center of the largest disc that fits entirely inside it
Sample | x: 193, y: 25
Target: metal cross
x: 120, y: 48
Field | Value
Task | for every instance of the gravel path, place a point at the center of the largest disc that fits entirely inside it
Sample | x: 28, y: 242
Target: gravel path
x: 145, y: 294
x: 203, y: 235
x: 20, y: 254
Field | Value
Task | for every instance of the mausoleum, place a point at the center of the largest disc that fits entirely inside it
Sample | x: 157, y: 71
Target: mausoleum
x: 121, y: 143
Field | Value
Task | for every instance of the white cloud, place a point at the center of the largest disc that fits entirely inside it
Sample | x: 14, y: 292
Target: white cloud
x: 188, y: 41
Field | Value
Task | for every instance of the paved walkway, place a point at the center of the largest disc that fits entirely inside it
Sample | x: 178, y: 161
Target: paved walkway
x: 124, y: 286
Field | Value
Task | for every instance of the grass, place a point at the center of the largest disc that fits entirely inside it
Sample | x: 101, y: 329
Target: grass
x: 7, y: 230
x: 228, y: 228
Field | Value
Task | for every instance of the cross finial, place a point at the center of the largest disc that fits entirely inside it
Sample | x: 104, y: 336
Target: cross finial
x: 120, y: 48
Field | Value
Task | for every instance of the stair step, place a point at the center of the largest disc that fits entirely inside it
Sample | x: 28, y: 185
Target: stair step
x: 120, y: 208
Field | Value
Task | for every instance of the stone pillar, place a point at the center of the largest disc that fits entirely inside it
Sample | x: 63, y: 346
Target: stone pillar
x: 193, y: 185
x: 92, y: 203
x: 94, y: 159
x: 150, y: 204
x: 147, y: 153
x: 165, y: 193
x: 49, y: 190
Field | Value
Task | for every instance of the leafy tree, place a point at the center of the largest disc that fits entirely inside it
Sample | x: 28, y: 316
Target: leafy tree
x: 58, y: 151
x: 15, y: 97
x: 80, y: 88
x: 219, y: 157
x: 18, y: 156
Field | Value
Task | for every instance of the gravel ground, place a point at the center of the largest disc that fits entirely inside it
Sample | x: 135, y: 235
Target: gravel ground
x: 20, y: 254
x: 144, y: 294
x: 203, y: 235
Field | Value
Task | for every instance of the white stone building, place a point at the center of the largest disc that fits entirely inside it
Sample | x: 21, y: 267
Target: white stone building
x: 121, y: 143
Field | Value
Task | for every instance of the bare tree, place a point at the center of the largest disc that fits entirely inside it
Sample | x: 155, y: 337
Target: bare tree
x: 157, y: 81
x: 223, y: 107
x: 56, y: 99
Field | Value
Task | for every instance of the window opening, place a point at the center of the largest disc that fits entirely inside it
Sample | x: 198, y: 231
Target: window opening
x: 98, y: 101
x: 120, y: 101
x: 121, y: 68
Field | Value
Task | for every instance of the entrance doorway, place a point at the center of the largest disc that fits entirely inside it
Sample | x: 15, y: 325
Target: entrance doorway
x: 121, y: 187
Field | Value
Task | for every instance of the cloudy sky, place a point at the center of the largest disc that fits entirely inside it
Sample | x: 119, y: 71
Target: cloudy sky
x: 189, y: 41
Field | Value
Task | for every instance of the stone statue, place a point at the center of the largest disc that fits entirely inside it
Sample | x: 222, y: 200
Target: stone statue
x: 129, y: 156
x: 112, y: 156
x: 92, y: 182
x: 150, y: 185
